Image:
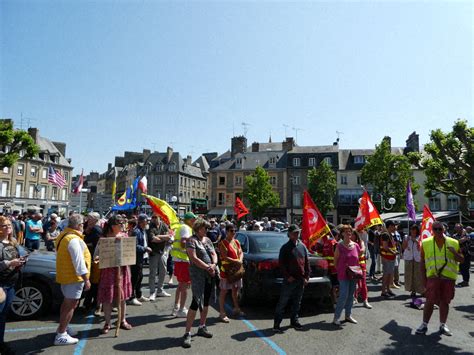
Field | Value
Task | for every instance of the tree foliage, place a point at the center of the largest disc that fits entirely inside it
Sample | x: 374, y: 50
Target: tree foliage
x: 322, y: 186
x: 388, y: 174
x: 258, y: 191
x: 449, y: 163
x: 17, y: 141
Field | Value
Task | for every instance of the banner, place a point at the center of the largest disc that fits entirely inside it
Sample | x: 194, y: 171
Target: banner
x: 239, y: 208
x: 314, y: 225
x: 427, y: 223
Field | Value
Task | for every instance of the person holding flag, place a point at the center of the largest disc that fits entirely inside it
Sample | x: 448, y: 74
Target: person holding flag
x: 388, y: 252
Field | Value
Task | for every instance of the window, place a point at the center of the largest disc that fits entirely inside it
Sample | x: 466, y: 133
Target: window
x: 238, y: 162
x: 18, y: 189
x: 31, y: 191
x: 296, y: 199
x: 221, y: 180
x: 158, y: 179
x: 343, y: 179
x: 272, y: 161
x: 312, y: 162
x: 359, y: 180
x: 296, y: 162
x: 328, y: 160
x: 359, y: 159
x: 22, y: 153
x: 221, y: 198
x: 19, y: 169
x: 66, y: 175
x: 43, y: 191
x: 4, y: 189
x: 181, y: 181
x: 199, y: 183
x: 44, y: 173
x: 243, y: 241
x: 170, y: 179
x: 64, y: 194
x: 5, y: 170
x: 435, y: 203
x: 33, y: 171
x: 273, y: 180
x: 172, y: 167
x: 203, y: 184
x: 238, y: 181
x: 453, y: 203
x: 193, y: 183
x: 159, y: 167
x: 296, y: 179
x: 54, y: 193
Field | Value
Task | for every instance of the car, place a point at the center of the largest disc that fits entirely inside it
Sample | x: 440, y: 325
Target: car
x: 279, y: 225
x: 37, y: 291
x: 262, y: 279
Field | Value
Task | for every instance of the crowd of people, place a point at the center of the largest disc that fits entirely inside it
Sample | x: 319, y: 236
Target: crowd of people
x: 204, y: 256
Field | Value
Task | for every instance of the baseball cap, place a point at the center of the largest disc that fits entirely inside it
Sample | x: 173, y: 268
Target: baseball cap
x: 189, y: 215
x: 294, y: 228
x: 143, y: 217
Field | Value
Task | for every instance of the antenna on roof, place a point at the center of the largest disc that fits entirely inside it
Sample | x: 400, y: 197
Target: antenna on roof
x: 286, y: 126
x: 338, y: 134
x: 246, y: 128
x: 296, y: 133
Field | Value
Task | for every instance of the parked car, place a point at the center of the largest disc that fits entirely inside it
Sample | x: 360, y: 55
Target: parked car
x: 37, y: 291
x: 279, y: 225
x: 263, y: 279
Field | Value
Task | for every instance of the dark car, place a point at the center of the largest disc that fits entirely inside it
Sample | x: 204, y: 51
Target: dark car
x: 37, y: 290
x: 263, y: 279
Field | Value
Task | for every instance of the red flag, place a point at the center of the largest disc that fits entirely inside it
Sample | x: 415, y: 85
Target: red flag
x: 143, y: 184
x: 79, y: 183
x: 239, y: 208
x: 368, y: 215
x: 427, y: 223
x: 314, y: 225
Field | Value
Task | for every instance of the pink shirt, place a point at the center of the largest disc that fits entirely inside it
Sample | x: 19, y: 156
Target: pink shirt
x: 346, y: 258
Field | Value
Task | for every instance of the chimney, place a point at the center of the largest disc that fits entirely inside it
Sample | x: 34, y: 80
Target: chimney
x: 109, y: 166
x: 34, y: 133
x: 146, y: 154
x: 412, y: 143
x: 169, y: 154
x: 288, y: 144
x: 61, y: 147
x: 189, y: 160
x: 238, y: 145
x: 255, y: 147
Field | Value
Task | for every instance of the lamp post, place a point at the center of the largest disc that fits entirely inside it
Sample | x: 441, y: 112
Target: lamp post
x: 391, y: 201
x: 174, y: 199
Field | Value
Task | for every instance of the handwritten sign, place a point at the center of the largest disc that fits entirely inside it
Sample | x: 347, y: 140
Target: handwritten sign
x: 115, y: 252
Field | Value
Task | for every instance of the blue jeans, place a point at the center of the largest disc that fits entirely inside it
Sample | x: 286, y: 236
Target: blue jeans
x: 290, y: 292
x: 346, y: 297
x: 4, y: 307
x: 32, y: 244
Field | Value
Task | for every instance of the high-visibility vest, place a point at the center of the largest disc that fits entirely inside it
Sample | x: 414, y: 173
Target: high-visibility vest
x: 178, y: 252
x: 328, y: 253
x: 391, y: 245
x: 65, y: 271
x: 440, y: 263
x: 362, y: 258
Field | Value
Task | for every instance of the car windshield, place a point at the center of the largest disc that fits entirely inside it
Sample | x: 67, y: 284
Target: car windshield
x: 270, y: 243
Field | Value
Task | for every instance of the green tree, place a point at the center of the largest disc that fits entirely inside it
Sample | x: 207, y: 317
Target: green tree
x: 258, y: 191
x: 16, y: 141
x: 449, y: 163
x: 388, y: 174
x: 322, y: 186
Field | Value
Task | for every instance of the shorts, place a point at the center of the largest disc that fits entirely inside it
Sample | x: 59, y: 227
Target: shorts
x: 181, y: 271
x: 388, y: 266
x: 72, y: 291
x: 439, y: 290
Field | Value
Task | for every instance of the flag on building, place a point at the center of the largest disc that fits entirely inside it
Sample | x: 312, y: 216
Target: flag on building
x: 410, y: 204
x: 128, y: 201
x: 78, y: 185
x: 314, y: 225
x: 114, y: 185
x: 143, y: 184
x: 239, y: 208
x: 55, y: 178
x: 224, y: 215
x: 427, y: 223
x: 367, y: 215
x: 162, y: 209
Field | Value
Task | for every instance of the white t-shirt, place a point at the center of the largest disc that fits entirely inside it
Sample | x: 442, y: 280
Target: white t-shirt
x: 76, y: 249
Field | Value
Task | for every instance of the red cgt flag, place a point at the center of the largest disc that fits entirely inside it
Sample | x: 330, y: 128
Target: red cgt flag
x: 427, y: 223
x: 239, y: 208
x: 368, y: 215
x: 314, y: 225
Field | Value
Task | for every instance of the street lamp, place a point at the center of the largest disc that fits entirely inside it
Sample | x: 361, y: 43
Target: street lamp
x: 173, y: 201
x: 391, y: 201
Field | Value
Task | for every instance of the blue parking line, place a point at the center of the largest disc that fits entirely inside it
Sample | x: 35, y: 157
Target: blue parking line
x: 82, y: 343
x: 259, y: 333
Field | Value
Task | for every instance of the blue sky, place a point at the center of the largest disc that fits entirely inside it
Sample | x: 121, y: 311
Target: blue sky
x: 109, y: 76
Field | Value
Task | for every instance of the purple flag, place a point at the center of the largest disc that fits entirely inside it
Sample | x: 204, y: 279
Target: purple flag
x: 410, y: 205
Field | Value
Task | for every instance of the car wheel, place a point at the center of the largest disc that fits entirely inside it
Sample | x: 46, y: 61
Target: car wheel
x: 31, y: 300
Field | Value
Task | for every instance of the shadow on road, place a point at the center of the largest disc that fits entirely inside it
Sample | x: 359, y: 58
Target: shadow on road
x: 150, y: 344
x: 468, y: 309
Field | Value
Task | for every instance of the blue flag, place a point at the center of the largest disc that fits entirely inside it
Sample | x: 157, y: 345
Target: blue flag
x: 128, y: 201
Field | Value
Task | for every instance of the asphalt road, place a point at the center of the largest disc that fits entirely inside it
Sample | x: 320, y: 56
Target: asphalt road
x: 388, y: 328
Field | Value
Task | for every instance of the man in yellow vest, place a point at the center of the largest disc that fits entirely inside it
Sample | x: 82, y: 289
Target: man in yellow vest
x: 440, y: 259
x: 73, y: 265
x: 181, y: 264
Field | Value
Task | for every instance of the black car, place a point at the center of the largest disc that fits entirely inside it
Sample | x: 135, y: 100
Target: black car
x: 37, y: 290
x: 263, y: 279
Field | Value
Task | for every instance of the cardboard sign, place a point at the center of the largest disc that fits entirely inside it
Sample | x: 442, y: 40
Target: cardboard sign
x: 115, y: 252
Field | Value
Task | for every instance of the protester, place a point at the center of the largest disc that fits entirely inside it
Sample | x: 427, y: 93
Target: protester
x: 440, y: 257
x: 34, y: 230
x: 181, y: 265
x: 325, y: 247
x: 398, y: 238
x: 51, y: 233
x: 374, y: 250
x: 294, y: 266
x: 214, y: 233
x: 73, y: 262
x: 64, y: 222
x: 388, y: 251
x: 158, y: 238
x: 412, y: 258
x: 10, y: 264
x: 140, y: 233
x: 347, y: 254
x: 231, y: 259
x: 464, y: 244
x: 202, y: 269
x: 107, y: 290
x: 361, y: 288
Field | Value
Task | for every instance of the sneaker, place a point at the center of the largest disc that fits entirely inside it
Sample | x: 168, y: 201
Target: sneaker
x: 391, y: 294
x: 203, y: 332
x: 297, y: 325
x: 355, y: 301
x: 443, y: 329
x: 163, y: 294
x: 182, y: 313
x: 71, y: 331
x: 336, y: 322
x: 187, y: 340
x: 367, y: 305
x: 351, y: 320
x: 422, y: 329
x: 144, y: 299
x: 277, y: 328
x: 394, y: 286
x: 175, y: 310
x: 97, y: 312
x: 152, y: 297
x: 463, y: 284
x: 386, y: 295
x: 65, y: 340
x: 135, y: 302
x: 170, y: 282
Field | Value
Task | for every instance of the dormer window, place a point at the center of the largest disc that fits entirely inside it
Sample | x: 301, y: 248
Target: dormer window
x: 359, y: 159
x: 172, y: 167
x: 238, y: 162
x: 272, y: 161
